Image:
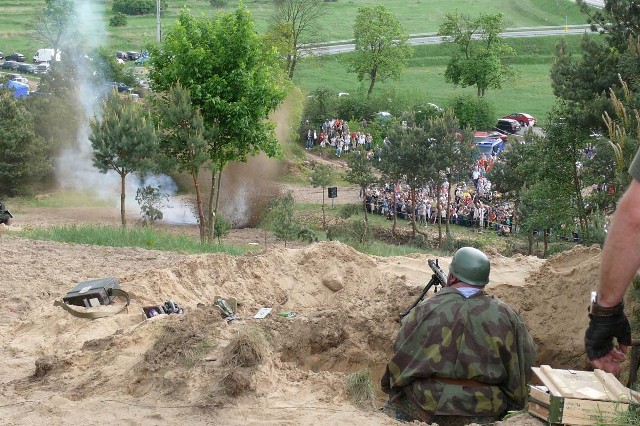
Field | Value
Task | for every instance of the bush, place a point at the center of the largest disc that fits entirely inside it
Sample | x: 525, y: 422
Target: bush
x: 474, y: 112
x: 118, y: 20
x: 137, y: 7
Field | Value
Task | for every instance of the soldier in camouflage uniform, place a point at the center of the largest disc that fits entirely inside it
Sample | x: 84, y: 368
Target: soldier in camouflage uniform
x: 461, y: 356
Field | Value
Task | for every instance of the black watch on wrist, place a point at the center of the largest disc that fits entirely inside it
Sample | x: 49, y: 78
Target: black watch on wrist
x: 601, y: 311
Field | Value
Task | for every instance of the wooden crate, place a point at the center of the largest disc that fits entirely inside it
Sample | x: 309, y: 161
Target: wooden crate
x: 579, y: 397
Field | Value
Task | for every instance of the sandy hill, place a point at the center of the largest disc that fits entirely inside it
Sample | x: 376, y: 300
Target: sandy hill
x: 195, y: 368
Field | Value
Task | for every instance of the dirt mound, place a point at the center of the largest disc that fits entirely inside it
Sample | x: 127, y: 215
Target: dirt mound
x: 276, y: 370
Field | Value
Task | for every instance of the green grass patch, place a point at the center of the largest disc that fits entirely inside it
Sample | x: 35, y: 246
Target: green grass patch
x: 423, y: 79
x: 417, y: 16
x: 147, y: 238
x: 58, y: 200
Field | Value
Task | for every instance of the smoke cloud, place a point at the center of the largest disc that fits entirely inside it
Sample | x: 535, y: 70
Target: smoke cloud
x: 245, y: 190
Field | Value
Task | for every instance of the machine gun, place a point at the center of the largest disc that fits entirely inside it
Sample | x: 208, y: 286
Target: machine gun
x: 437, y: 279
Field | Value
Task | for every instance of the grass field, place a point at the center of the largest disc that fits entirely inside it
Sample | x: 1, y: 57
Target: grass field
x: 423, y: 79
x: 417, y: 16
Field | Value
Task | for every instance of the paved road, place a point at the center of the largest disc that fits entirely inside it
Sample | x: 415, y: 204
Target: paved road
x: 342, y: 46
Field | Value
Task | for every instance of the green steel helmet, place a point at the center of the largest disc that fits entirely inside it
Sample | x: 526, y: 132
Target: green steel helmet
x: 471, y: 266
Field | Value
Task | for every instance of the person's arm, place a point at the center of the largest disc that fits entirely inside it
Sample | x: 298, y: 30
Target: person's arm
x: 619, y: 263
x: 621, y: 254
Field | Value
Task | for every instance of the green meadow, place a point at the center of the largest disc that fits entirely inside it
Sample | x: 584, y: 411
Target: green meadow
x: 417, y: 16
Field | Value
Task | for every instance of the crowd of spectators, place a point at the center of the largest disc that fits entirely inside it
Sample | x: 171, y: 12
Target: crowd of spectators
x: 469, y: 206
x: 472, y: 204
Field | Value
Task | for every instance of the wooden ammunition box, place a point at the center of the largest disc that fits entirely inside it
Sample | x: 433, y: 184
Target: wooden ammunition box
x: 573, y: 397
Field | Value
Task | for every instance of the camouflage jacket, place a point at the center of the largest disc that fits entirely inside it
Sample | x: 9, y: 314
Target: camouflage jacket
x: 450, y: 336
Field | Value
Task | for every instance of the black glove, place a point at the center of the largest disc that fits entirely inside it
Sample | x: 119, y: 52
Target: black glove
x: 598, y: 340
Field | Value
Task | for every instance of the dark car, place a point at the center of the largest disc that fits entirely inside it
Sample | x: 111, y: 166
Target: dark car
x: 10, y: 65
x: 121, y: 87
x: 18, y: 57
x: 122, y: 55
x: 27, y: 68
x: 508, y: 125
x: 132, y: 55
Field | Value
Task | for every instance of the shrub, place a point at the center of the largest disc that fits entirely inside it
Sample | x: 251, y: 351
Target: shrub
x: 474, y: 112
x: 118, y: 20
x: 137, y: 7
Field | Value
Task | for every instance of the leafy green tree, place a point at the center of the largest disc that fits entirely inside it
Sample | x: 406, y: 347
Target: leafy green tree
x: 360, y: 173
x: 123, y: 140
x: 561, y: 160
x: 381, y: 46
x: 478, y: 60
x: 280, y: 219
x: 405, y: 157
x: 231, y: 78
x: 295, y: 22
x: 24, y: 159
x: 54, y: 25
x: 181, y: 140
x: 322, y: 176
x: 59, y: 105
x: 118, y: 20
x: 514, y: 174
x: 151, y: 200
x: 452, y: 155
x: 221, y: 228
x: 474, y: 112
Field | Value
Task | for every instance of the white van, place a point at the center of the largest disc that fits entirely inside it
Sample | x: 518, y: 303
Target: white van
x: 45, y: 55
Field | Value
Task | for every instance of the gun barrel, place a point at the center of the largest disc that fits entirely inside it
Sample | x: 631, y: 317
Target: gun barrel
x: 437, y: 271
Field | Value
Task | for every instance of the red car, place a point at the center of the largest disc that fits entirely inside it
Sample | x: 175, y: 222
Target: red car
x: 523, y: 118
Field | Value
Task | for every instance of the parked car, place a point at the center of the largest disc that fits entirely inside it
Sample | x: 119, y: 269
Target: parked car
x: 522, y: 118
x: 27, y: 68
x: 10, y: 65
x: 13, y: 76
x: 508, y: 125
x: 133, y: 55
x: 490, y: 146
x: 42, y: 68
x: 18, y: 57
x: 121, y: 55
x: 121, y: 87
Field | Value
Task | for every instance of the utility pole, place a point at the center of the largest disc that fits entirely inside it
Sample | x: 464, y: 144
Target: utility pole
x: 158, y: 22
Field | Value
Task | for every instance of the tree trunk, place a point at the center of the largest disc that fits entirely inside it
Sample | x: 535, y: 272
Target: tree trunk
x: 215, y: 209
x: 324, y: 218
x: 292, y: 66
x: 584, y: 227
x: 366, y: 218
x: 545, y: 238
x: 530, y: 240
x: 439, y: 213
x: 210, y: 212
x: 201, y: 219
x: 447, y: 230
x: 123, y: 195
x: 413, y: 213
x: 373, y: 81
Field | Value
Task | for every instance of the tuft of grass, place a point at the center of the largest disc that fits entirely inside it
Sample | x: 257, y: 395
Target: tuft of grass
x: 246, y: 349
x: 359, y: 388
x: 192, y: 356
x: 147, y: 238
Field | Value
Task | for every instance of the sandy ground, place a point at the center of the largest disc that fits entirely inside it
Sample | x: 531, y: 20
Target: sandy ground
x: 181, y: 368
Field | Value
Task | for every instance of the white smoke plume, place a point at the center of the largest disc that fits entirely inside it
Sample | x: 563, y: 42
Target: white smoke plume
x: 74, y: 166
